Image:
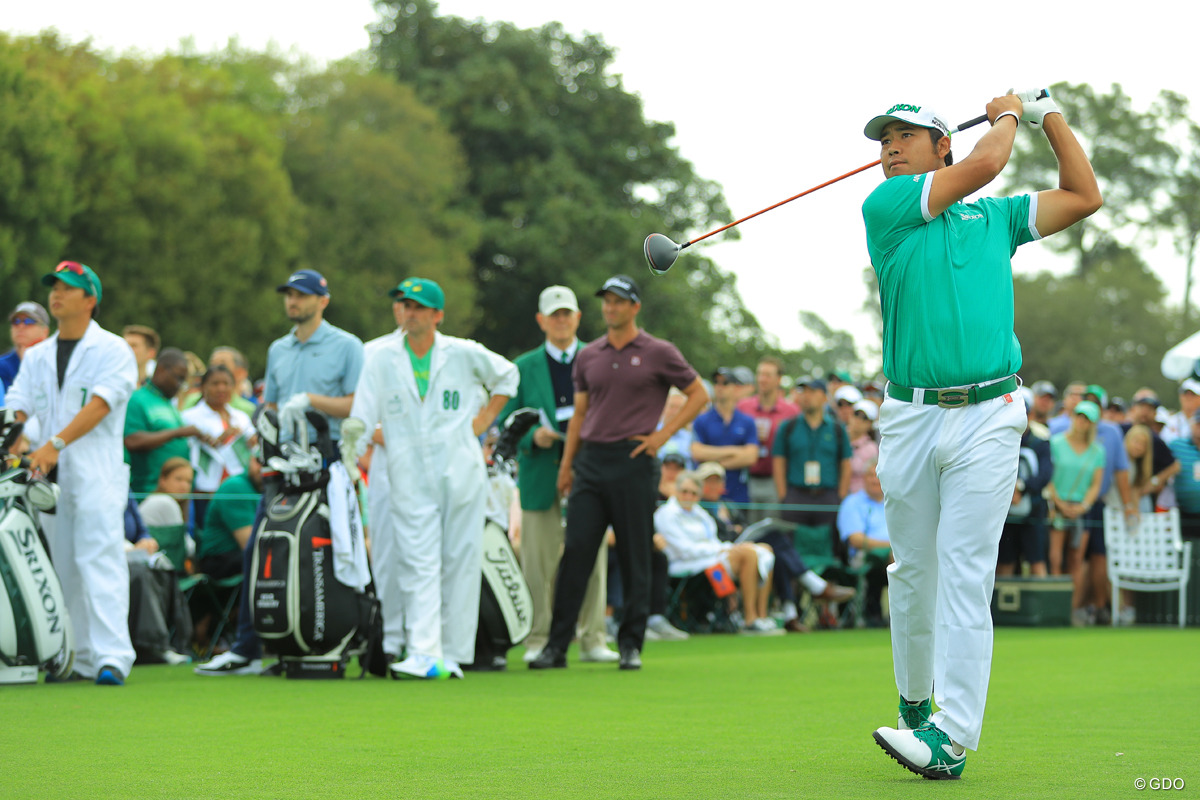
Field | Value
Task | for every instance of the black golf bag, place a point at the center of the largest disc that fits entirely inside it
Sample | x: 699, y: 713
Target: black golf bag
x: 505, y: 604
x: 35, y: 630
x: 311, y: 595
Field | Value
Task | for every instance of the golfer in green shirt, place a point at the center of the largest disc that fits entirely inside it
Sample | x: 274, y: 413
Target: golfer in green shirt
x: 951, y: 421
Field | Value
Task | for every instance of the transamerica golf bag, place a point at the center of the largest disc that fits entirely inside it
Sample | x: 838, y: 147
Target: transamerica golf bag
x: 35, y: 630
x: 311, y: 594
x: 505, y: 604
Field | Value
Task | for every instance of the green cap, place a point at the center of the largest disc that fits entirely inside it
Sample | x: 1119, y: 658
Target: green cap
x: 402, y: 287
x: 1101, y: 395
x: 423, y: 291
x: 1088, y: 409
x: 75, y: 274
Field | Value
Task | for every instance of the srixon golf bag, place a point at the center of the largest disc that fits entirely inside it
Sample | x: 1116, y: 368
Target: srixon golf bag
x: 311, y: 594
x: 505, y: 604
x: 35, y: 630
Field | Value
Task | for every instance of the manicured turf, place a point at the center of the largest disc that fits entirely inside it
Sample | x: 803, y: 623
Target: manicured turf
x: 1071, y: 714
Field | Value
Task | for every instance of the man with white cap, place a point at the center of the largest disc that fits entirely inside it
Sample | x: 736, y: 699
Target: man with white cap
x: 29, y: 324
x: 546, y: 385
x: 951, y: 423
x: 1179, y: 426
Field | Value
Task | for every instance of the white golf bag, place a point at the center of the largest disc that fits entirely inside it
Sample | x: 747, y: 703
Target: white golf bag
x: 35, y: 629
x: 505, y: 603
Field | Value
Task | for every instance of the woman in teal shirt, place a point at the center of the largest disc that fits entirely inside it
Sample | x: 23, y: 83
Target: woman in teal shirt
x: 1078, y: 472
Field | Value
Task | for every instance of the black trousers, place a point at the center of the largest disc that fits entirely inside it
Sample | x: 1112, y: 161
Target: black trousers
x: 610, y: 488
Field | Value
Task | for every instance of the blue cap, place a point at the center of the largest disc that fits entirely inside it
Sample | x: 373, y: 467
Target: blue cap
x: 308, y: 281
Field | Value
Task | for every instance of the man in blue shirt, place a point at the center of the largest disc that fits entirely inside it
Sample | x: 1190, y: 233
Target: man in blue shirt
x: 727, y: 436
x: 315, y: 365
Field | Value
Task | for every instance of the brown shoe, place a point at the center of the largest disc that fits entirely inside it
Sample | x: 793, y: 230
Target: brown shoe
x: 795, y: 626
x: 837, y: 594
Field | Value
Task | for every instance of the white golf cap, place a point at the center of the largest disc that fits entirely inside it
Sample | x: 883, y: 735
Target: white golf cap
x: 921, y: 116
x: 848, y: 393
x: 1162, y: 416
x: 1190, y: 385
x: 868, y: 408
x: 554, y: 298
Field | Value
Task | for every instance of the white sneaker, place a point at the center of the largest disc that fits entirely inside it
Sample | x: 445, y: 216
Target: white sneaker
x: 230, y: 663
x: 531, y: 655
x: 454, y: 668
x: 664, y: 630
x: 173, y: 658
x: 927, y: 751
x: 423, y: 667
x: 763, y: 626
x: 599, y: 654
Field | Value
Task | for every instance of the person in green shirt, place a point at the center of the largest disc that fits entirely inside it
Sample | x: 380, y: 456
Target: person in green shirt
x: 951, y: 422
x: 228, y: 523
x: 154, y: 430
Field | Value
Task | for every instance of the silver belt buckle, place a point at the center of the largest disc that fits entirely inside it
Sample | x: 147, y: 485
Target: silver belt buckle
x: 952, y: 398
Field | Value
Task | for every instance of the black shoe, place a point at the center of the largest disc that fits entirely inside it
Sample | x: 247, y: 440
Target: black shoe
x: 486, y: 664
x: 630, y: 658
x: 551, y: 657
x: 72, y: 677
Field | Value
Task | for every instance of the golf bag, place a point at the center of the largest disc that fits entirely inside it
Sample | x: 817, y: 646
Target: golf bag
x: 311, y: 595
x: 505, y: 604
x: 35, y: 629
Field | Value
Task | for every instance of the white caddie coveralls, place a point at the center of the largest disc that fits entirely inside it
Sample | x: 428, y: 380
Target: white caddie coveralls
x: 87, y: 531
x: 438, y: 484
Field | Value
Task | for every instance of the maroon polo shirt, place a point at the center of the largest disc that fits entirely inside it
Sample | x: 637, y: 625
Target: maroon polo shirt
x: 628, y: 388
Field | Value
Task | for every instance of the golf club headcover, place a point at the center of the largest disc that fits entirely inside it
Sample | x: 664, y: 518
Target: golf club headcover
x: 352, y: 435
x: 517, y: 425
x: 1037, y: 104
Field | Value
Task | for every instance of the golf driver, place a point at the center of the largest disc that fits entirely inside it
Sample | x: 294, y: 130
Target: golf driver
x: 661, y: 252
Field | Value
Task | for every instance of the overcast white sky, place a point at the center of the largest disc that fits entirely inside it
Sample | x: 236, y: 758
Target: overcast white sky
x: 768, y: 98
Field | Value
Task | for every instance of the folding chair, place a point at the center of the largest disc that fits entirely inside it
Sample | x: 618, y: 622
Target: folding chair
x: 1150, y: 558
x: 814, y: 545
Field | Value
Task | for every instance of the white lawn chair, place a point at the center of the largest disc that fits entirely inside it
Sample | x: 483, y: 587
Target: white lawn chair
x: 1150, y: 558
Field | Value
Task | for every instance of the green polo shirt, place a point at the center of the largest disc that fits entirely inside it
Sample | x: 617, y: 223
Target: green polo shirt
x: 945, y: 283
x: 149, y: 410
x: 827, y: 445
x: 231, y: 506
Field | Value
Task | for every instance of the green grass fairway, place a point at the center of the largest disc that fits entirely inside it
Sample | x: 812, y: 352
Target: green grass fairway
x: 1071, y: 714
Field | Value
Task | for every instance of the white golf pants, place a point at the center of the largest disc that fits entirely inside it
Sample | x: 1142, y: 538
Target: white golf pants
x: 948, y: 477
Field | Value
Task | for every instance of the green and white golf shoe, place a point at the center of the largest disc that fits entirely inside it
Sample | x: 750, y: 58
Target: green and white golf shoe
x: 913, y: 715
x: 927, y: 751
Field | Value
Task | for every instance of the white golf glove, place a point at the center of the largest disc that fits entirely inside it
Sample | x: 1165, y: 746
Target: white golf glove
x: 291, y: 414
x: 1037, y: 104
x: 352, y: 433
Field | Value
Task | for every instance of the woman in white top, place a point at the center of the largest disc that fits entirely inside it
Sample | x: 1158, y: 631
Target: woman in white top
x: 692, y: 546
x: 229, y: 427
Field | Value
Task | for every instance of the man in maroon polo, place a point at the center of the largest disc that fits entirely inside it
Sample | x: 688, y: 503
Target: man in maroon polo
x: 609, y: 469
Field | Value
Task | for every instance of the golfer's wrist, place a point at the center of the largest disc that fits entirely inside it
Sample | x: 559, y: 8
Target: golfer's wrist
x: 1016, y: 117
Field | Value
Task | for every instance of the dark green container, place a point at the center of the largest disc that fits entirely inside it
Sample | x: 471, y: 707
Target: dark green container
x: 1032, y: 602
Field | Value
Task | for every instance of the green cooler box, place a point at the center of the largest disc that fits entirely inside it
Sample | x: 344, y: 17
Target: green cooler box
x: 1032, y: 602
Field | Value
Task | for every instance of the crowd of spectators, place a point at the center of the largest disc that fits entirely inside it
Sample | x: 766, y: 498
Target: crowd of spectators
x: 757, y: 452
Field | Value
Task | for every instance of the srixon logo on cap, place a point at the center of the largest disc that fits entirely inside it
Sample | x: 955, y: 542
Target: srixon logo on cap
x: 619, y: 283
x: 903, y: 107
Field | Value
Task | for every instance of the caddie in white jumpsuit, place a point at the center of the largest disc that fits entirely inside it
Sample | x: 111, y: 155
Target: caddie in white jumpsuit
x: 952, y: 421
x: 380, y: 521
x: 75, y: 386
x: 424, y: 391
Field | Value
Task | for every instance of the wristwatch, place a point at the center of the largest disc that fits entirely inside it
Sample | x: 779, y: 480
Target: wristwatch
x: 57, y: 443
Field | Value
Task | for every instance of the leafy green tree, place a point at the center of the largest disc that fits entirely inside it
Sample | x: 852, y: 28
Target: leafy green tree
x: 1108, y: 326
x: 38, y: 161
x: 565, y: 174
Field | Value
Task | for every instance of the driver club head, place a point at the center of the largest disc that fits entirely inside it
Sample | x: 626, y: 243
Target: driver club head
x: 661, y: 253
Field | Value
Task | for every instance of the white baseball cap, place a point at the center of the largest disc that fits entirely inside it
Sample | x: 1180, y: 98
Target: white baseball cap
x: 868, y: 408
x: 921, y: 116
x: 1190, y: 385
x: 554, y: 298
x: 1162, y: 416
x: 848, y: 393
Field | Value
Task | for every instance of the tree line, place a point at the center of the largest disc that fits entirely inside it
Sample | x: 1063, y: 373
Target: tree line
x: 496, y: 160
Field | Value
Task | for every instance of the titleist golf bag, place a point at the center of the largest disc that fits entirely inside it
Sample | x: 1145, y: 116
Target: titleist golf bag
x: 505, y: 604
x: 35, y: 630
x: 311, y: 594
